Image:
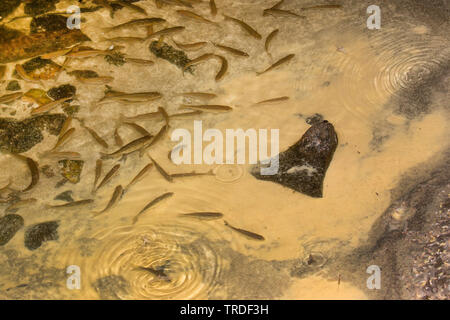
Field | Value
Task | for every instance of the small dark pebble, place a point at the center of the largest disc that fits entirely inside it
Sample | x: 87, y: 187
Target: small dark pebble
x: 36, y: 234
x: 13, y: 86
x: 174, y: 56
x: 63, y: 91
x: 9, y: 225
x: 65, y: 196
x: 315, y: 118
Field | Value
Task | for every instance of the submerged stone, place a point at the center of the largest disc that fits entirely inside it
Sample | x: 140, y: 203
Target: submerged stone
x: 63, y: 91
x: 71, y: 169
x: 7, y: 7
x: 13, y: 86
x: 9, y: 225
x: 36, y: 234
x: 115, y: 58
x: 174, y: 56
x: 20, y: 136
x: 36, y: 7
x: 303, y: 166
x: 65, y: 196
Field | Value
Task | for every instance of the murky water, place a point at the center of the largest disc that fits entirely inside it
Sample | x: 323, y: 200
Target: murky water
x: 385, y: 92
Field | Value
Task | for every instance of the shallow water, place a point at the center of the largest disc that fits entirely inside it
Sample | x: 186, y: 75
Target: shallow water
x: 383, y: 90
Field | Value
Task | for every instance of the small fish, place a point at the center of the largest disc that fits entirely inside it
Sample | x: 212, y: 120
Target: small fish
x: 117, y: 194
x: 160, y: 274
x: 98, y: 172
x: 186, y: 114
x: 270, y: 38
x: 323, y: 6
x: 137, y: 22
x: 24, y: 75
x: 223, y: 68
x: 132, y: 6
x: 213, y: 7
x: 199, y: 95
x: 203, y: 215
x: 34, y: 170
x: 60, y: 155
x: 278, y: 63
x: 190, y: 46
x: 207, y: 107
x: 277, y: 5
x: 233, y: 51
x: 245, y: 27
x: 20, y: 204
x: 7, y: 98
x: 56, y: 54
x: 88, y: 53
x: 2, y: 71
x: 162, y: 132
x: 96, y: 137
x: 117, y: 138
x: 246, y: 233
x: 66, y: 125
x: 125, y: 39
x: 49, y: 106
x: 64, y: 138
x: 281, y: 13
x: 192, y: 15
x: 191, y: 174
x: 144, y: 116
x: 131, y: 97
x: 140, y: 175
x: 165, y: 32
x: 139, y: 61
x: 151, y: 204
x: 163, y: 172
x: 95, y: 80
x: 128, y: 148
x: 72, y: 204
x: 141, y: 130
x: 201, y: 58
x: 274, y: 100
x: 108, y: 176
x: 164, y: 114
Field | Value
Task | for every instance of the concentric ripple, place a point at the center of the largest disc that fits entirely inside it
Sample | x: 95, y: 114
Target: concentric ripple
x: 180, y: 261
x: 228, y: 173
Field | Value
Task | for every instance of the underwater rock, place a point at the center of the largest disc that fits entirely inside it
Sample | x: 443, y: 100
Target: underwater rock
x: 20, y: 136
x: 47, y: 171
x: 71, y: 169
x: 303, y: 166
x: 65, y: 196
x: 9, y: 225
x: 315, y: 118
x: 174, y: 56
x: 115, y: 58
x: 43, y: 69
x: 7, y: 7
x: 36, y: 7
x: 111, y: 287
x: 13, y: 86
x: 15, y: 45
x: 63, y: 91
x: 48, y: 23
x: 36, y: 234
x: 38, y: 96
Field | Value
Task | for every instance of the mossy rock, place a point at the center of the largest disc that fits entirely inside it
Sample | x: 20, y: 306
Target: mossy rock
x: 115, y: 58
x: 9, y: 225
x: 21, y: 136
x: 36, y: 7
x: 7, y: 7
x: 169, y: 53
x: 49, y: 23
x: 71, y: 169
x: 13, y: 86
x: 63, y: 91
x: 36, y: 234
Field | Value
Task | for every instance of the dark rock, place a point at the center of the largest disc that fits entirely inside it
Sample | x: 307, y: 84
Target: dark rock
x: 36, y: 7
x: 115, y: 58
x: 111, y: 287
x: 13, y: 86
x: 47, y: 171
x: 65, y: 196
x: 174, y: 56
x: 36, y: 234
x: 71, y: 169
x: 9, y: 225
x: 303, y: 166
x: 50, y: 23
x: 7, y: 7
x: 63, y: 91
x: 315, y: 118
x: 20, y: 136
